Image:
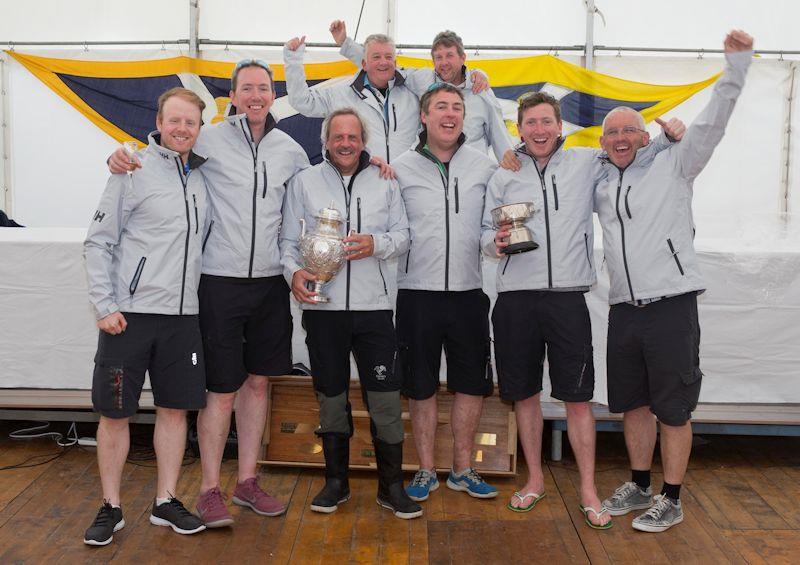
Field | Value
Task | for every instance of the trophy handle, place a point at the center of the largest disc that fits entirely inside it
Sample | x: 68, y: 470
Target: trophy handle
x: 302, y: 227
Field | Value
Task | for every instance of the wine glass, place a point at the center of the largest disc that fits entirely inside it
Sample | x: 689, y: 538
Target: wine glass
x: 130, y: 148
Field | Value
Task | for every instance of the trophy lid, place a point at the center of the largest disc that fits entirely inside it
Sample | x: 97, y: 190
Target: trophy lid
x: 330, y: 214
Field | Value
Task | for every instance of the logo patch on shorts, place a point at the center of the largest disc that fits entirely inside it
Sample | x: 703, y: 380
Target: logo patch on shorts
x: 194, y: 358
x: 380, y: 372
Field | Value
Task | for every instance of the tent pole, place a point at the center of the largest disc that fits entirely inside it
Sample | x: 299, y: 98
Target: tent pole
x: 5, y: 172
x: 391, y: 18
x: 588, y: 54
x: 194, y: 27
x: 787, y: 145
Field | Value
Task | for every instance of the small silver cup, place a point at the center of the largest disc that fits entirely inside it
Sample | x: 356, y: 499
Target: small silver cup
x: 520, y: 238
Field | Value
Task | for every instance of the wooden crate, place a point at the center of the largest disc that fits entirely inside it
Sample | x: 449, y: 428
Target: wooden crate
x: 294, y: 415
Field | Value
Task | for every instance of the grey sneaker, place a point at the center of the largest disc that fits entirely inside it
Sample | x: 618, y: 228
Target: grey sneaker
x: 662, y: 515
x: 628, y: 497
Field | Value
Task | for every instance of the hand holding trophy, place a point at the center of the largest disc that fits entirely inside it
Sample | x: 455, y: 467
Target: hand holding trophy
x: 322, y: 250
x: 520, y: 238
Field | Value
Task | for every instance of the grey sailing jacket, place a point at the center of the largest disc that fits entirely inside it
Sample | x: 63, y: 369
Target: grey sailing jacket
x: 392, y: 121
x: 444, y: 210
x: 562, y: 195
x: 369, y: 205
x: 483, y: 119
x: 646, y: 210
x: 143, y: 248
x: 246, y: 184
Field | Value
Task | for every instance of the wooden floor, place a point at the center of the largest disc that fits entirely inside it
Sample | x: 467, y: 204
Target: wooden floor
x: 741, y: 502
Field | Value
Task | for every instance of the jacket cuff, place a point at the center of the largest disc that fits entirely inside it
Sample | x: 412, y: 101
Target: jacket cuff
x: 106, y: 310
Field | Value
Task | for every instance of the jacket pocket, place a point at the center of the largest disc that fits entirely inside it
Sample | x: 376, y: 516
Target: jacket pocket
x: 628, y: 208
x: 208, y: 234
x: 691, y: 376
x: 555, y: 191
x: 408, y: 255
x: 383, y: 280
x: 137, y: 275
x: 196, y: 215
x: 394, y: 115
x: 456, y: 190
x: 675, y: 256
x: 586, y: 245
x: 264, y: 175
x: 508, y: 260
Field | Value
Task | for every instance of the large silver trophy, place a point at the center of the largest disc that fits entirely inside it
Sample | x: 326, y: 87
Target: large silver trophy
x: 322, y: 250
x: 520, y: 238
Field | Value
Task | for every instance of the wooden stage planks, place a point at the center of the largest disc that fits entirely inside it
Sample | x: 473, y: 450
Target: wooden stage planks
x: 741, y: 499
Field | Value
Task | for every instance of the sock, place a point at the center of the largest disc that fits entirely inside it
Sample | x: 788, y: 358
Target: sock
x: 673, y: 492
x: 641, y: 478
x: 160, y: 501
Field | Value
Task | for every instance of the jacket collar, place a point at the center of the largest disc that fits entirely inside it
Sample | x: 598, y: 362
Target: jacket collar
x: 240, y: 121
x: 423, y: 140
x: 361, y: 81
x: 363, y: 162
x: 555, y: 156
x: 154, y: 146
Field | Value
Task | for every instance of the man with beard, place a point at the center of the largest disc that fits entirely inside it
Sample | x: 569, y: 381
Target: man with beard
x: 357, y: 318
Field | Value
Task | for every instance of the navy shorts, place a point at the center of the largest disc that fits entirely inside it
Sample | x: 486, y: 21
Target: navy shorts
x: 169, y: 348
x: 654, y: 358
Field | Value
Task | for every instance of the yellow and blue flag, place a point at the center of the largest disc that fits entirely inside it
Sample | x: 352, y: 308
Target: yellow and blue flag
x: 120, y: 97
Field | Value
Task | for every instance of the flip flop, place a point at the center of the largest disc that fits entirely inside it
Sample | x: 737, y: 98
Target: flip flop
x: 536, y: 498
x: 586, y: 509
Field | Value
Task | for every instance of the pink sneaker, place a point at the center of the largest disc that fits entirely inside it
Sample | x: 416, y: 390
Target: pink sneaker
x: 212, y: 510
x: 250, y: 494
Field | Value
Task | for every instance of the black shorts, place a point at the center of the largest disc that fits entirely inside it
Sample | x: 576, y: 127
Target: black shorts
x: 457, y: 321
x: 528, y: 323
x: 654, y: 358
x: 332, y: 335
x: 247, y: 329
x: 169, y: 348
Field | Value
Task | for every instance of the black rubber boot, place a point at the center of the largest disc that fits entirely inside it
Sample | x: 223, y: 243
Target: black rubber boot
x: 391, y: 493
x: 336, y: 448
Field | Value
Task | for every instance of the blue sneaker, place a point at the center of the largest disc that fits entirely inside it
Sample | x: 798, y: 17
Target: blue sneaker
x: 471, y: 482
x: 423, y: 483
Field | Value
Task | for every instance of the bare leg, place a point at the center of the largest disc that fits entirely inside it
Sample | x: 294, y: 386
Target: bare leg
x: 529, y: 427
x: 113, y: 443
x: 582, y: 436
x: 169, y: 440
x: 676, y: 445
x: 640, y: 437
x: 464, y: 418
x: 424, y: 419
x: 213, y: 425
x: 251, y: 414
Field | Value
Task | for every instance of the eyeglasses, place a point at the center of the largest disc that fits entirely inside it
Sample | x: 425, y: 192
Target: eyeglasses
x: 627, y: 130
x: 249, y: 63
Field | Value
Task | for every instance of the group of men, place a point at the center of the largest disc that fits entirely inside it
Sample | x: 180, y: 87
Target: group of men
x: 190, y: 274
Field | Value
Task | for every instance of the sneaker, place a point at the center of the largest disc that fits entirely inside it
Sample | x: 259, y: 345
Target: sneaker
x: 629, y: 496
x: 212, y: 510
x: 472, y: 483
x: 250, y: 494
x: 174, y: 515
x: 662, y: 515
x: 108, y: 520
x: 423, y: 483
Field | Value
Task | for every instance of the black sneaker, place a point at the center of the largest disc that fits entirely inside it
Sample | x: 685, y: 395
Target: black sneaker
x: 174, y: 515
x: 108, y: 521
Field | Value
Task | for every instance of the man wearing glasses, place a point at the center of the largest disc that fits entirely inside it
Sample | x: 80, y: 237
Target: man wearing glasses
x: 244, y: 300
x: 645, y: 208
